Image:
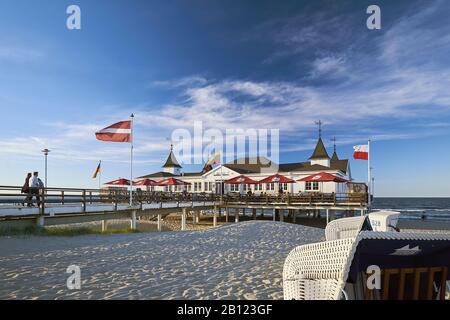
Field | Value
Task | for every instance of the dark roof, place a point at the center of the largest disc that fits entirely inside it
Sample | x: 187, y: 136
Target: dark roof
x: 160, y: 174
x: 339, y: 165
x: 319, y: 152
x: 171, y: 161
x: 189, y: 174
x: 249, y: 165
x: 306, y: 166
x: 334, y: 157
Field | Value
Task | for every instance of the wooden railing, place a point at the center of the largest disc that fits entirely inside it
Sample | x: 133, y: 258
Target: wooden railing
x: 12, y: 196
x: 300, y: 199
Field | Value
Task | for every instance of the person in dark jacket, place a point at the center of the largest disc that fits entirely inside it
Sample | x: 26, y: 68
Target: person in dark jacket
x: 26, y: 190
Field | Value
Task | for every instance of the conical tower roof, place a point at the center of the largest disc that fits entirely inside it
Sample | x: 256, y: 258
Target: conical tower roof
x: 171, y: 161
x: 319, y: 152
x: 334, y: 157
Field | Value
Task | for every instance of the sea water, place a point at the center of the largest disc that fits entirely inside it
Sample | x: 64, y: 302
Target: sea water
x: 434, y: 209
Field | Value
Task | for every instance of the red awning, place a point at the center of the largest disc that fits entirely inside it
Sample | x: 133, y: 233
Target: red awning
x: 323, y: 177
x: 172, y: 182
x: 119, y: 182
x: 241, y: 180
x: 277, y: 178
x: 145, y: 182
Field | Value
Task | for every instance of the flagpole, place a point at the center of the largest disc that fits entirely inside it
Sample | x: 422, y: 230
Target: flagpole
x: 100, y: 176
x: 222, y: 185
x: 131, y: 162
x: 369, y: 177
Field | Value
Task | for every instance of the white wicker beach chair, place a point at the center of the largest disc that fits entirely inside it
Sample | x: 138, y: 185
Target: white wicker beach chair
x: 329, y: 270
x: 345, y: 228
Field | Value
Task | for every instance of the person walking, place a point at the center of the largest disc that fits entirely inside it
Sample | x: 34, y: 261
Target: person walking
x: 35, y: 186
x: 26, y: 190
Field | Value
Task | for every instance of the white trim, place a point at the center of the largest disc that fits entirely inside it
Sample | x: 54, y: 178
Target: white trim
x: 114, y: 130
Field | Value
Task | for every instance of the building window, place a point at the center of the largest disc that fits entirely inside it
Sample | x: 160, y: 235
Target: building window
x: 315, y: 185
x: 308, y: 186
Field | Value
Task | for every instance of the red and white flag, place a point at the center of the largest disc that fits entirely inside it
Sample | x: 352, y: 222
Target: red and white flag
x: 118, y: 132
x: 361, y: 152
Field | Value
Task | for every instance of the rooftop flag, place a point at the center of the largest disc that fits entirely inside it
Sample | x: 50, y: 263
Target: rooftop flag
x: 118, y: 132
x: 361, y: 152
x: 215, y: 159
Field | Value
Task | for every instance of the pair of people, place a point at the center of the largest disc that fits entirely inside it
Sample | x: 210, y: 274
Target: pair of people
x: 31, y: 188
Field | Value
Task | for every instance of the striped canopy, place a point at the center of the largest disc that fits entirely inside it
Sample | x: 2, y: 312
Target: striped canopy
x: 172, y: 182
x: 119, y: 182
x: 323, y: 177
x: 145, y: 182
x: 277, y: 178
x: 241, y: 180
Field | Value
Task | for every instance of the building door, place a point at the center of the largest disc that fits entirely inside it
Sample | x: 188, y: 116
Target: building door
x: 219, y: 188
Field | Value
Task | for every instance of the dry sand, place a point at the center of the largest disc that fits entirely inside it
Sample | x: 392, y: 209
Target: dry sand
x: 237, y: 261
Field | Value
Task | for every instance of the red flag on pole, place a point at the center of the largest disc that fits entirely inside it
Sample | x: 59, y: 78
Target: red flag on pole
x: 118, y: 132
x: 361, y: 152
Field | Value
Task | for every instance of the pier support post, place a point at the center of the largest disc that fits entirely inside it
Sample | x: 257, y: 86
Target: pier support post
x: 159, y: 222
x: 236, y: 215
x: 362, y: 212
x: 133, y: 220
x: 332, y: 215
x: 281, y: 214
x: 40, y: 221
x: 328, y: 215
x: 183, y: 220
x: 104, y: 225
x: 226, y: 215
x: 215, y: 217
x: 274, y: 212
x: 197, y: 217
x: 254, y: 213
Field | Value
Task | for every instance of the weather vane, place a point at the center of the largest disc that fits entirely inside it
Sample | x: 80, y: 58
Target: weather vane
x: 334, y: 143
x: 319, y: 123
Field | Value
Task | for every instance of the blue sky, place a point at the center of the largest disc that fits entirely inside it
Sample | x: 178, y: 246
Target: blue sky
x: 246, y: 64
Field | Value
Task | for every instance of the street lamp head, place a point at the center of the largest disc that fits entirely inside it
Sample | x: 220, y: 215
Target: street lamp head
x: 46, y: 151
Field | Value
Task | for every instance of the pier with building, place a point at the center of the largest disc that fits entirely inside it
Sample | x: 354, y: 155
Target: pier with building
x: 247, y: 187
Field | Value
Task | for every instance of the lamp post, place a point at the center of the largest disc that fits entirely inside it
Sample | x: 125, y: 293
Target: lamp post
x: 45, y: 152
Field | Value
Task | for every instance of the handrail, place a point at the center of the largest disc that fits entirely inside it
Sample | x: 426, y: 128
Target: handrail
x: 118, y: 196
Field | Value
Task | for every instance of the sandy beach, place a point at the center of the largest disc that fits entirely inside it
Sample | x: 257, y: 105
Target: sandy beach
x: 237, y: 261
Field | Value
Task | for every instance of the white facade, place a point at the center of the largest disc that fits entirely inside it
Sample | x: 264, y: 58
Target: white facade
x: 211, y: 181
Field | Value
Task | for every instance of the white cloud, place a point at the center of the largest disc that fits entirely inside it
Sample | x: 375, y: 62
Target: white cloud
x: 330, y: 65
x: 18, y: 54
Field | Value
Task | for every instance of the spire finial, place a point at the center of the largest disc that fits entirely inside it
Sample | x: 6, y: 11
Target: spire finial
x: 334, y: 143
x: 319, y: 123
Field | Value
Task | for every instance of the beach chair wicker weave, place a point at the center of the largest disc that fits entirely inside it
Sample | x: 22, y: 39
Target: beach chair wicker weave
x: 344, y: 228
x: 320, y: 271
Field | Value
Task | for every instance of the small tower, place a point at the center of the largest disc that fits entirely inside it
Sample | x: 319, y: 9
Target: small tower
x: 334, y: 157
x: 172, y: 166
x: 320, y: 155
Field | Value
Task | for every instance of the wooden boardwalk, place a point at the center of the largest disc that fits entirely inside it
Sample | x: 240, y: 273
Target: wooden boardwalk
x: 68, y: 205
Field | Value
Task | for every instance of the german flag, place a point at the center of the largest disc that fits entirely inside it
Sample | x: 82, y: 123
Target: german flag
x: 98, y: 170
